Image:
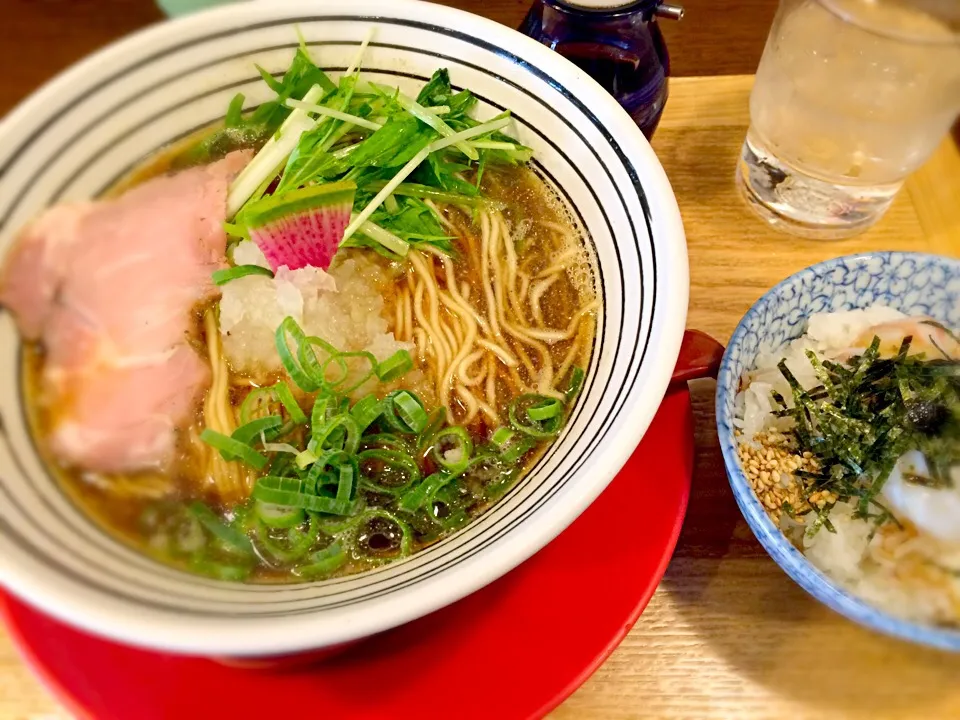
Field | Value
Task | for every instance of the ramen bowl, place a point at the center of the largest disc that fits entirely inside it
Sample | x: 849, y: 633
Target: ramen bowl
x: 75, y: 137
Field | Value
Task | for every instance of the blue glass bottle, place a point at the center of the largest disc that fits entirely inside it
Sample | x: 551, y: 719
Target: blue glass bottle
x: 618, y: 42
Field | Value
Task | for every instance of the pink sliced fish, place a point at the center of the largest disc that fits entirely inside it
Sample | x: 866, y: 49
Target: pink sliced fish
x: 110, y: 289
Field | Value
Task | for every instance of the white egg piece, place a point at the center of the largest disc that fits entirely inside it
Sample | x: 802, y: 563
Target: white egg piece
x: 932, y: 510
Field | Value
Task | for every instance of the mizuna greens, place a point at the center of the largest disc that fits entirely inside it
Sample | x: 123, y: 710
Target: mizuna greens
x: 398, y: 151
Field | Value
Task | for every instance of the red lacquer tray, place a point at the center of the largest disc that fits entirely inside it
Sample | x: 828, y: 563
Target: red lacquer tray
x: 515, y: 649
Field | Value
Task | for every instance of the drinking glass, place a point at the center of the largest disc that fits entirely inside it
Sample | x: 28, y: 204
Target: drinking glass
x: 850, y: 97
x: 173, y: 8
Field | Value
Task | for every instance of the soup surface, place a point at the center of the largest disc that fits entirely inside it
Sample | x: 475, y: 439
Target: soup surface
x: 396, y: 326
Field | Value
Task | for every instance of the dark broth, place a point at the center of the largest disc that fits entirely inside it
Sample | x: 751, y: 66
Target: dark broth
x: 126, y: 507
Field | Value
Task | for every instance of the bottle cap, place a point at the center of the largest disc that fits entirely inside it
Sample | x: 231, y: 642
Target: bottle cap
x: 598, y: 4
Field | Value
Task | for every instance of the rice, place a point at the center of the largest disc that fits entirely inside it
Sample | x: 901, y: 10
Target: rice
x: 897, y: 567
x: 344, y: 307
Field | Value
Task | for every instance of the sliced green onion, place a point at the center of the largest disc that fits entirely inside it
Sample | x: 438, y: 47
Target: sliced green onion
x: 461, y: 444
x: 400, y: 460
x: 305, y: 459
x: 323, y: 562
x: 365, y: 411
x: 319, y: 415
x: 256, y: 403
x: 251, y: 430
x: 232, y: 449
x: 230, y: 537
x: 319, y: 478
x: 405, y: 533
x: 280, y: 448
x: 545, y: 410
x: 576, y: 382
x: 220, y: 571
x: 271, y: 489
x: 536, y: 429
x: 389, y: 441
x: 284, y: 484
x: 302, y: 379
x: 345, y: 470
x: 323, y: 434
x: 186, y: 533
x: 222, y: 277
x: 436, y: 420
x: 285, y: 396
x: 395, y: 366
x: 517, y: 450
x: 370, y: 358
x: 404, y: 412
x: 502, y: 436
x: 278, y: 516
x: 340, y: 362
x: 297, y: 545
x: 311, y: 365
x: 345, y: 486
x: 417, y: 497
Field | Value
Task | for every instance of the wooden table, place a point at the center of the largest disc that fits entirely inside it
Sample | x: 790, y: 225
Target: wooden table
x: 727, y: 635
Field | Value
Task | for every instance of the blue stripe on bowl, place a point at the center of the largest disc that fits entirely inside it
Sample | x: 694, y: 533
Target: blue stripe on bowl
x: 914, y: 283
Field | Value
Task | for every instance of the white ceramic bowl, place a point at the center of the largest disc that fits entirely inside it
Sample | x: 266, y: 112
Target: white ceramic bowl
x: 89, y: 126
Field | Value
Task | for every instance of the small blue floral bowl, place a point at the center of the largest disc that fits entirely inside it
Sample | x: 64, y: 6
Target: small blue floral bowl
x: 913, y: 283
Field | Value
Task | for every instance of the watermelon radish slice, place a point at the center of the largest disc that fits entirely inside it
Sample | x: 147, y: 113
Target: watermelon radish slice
x: 302, y: 227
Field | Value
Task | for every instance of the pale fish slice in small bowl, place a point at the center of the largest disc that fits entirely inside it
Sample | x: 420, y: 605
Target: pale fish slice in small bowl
x: 838, y: 411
